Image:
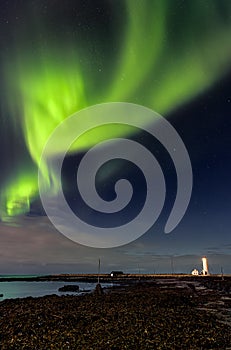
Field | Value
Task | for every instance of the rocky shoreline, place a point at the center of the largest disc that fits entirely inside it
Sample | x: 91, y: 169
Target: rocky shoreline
x: 144, y: 315
x: 105, y: 278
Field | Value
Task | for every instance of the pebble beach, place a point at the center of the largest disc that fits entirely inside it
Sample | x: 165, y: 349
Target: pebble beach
x: 139, y: 316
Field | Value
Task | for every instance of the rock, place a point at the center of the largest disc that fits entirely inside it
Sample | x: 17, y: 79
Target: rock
x: 148, y: 317
x: 69, y: 288
x: 98, y: 289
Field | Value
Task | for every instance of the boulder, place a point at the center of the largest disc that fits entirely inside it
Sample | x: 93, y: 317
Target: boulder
x: 69, y: 288
x: 98, y: 289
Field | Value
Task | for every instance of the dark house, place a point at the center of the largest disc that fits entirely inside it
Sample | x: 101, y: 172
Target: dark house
x: 116, y: 273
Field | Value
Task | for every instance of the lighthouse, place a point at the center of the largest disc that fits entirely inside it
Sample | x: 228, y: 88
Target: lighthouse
x: 205, y: 268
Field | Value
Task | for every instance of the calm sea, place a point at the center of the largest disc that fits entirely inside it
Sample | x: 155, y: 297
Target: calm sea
x: 22, y: 289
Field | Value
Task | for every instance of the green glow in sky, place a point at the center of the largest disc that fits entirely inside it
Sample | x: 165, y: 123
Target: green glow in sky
x: 164, y: 60
x: 18, y: 195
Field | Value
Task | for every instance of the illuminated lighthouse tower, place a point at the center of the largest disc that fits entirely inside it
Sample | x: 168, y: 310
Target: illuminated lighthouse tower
x: 205, y: 268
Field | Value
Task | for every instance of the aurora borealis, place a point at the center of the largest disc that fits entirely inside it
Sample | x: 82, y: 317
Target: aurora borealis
x: 59, y: 57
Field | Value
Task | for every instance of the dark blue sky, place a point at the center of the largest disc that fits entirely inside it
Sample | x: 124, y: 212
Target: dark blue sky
x: 28, y: 242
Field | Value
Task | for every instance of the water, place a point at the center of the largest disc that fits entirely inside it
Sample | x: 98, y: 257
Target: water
x: 22, y: 289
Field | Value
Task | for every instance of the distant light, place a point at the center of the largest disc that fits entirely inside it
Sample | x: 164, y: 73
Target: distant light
x: 205, y: 269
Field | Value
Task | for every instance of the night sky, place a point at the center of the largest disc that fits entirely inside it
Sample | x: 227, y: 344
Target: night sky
x: 58, y: 57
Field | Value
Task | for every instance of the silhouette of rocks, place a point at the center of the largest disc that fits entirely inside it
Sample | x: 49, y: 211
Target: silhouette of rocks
x: 69, y: 288
x: 98, y: 289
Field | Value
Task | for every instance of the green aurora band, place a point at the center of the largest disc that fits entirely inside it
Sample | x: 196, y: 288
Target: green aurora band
x: 162, y: 61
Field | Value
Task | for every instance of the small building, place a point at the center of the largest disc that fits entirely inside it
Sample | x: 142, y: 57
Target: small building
x: 116, y: 273
x: 195, y: 272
